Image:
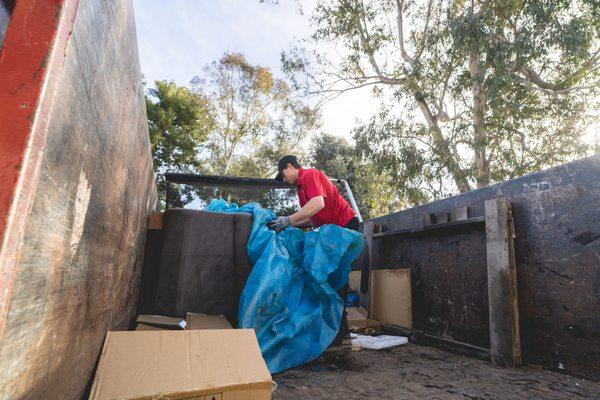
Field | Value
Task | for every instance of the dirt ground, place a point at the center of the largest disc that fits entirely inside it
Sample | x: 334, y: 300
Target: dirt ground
x: 417, y: 372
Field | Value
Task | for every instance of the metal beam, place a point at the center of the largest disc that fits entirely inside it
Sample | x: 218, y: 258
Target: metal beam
x: 216, y: 180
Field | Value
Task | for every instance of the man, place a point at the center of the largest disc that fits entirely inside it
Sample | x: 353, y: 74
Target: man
x: 320, y: 200
x: 321, y: 203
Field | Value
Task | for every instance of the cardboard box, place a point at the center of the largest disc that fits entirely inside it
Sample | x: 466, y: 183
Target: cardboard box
x: 158, y: 322
x: 206, y: 321
x: 358, y: 322
x: 391, y: 297
x: 191, y: 364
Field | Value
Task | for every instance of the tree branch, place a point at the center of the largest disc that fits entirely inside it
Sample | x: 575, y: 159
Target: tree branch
x: 400, y: 24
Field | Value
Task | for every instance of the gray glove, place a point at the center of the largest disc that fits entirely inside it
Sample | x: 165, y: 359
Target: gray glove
x: 279, y: 223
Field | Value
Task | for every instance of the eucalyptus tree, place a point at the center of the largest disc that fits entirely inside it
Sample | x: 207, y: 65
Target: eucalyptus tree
x: 257, y: 118
x: 473, y: 92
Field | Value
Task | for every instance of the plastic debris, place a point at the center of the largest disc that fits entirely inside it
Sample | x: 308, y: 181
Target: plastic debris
x: 377, y: 342
x: 290, y: 298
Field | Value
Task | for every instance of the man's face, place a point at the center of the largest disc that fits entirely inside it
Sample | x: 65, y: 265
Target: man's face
x: 290, y: 174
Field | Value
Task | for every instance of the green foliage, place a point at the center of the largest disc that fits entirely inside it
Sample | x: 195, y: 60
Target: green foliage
x: 374, y: 194
x: 472, y: 92
x: 179, y: 122
x: 257, y: 119
x: 237, y: 119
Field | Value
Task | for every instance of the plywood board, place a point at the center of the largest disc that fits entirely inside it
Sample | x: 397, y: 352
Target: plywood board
x: 391, y: 297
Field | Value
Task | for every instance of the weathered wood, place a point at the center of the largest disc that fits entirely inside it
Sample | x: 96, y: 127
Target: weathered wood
x: 505, y: 344
x: 155, y: 221
x: 365, y: 275
x: 556, y: 250
x: 441, y: 218
x: 421, y: 338
x: 459, y: 214
x: 449, y: 276
x: 87, y: 190
x: 424, y: 220
x: 430, y: 229
x: 31, y: 61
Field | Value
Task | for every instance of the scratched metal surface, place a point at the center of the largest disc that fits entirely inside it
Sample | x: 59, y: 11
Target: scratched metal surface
x: 79, y: 263
x: 557, y: 222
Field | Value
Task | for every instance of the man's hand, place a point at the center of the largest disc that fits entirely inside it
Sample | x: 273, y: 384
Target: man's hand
x: 279, y: 223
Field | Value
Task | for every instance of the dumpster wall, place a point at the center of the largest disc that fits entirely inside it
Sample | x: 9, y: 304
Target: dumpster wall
x: 78, y: 186
x: 189, y: 268
x: 557, y: 246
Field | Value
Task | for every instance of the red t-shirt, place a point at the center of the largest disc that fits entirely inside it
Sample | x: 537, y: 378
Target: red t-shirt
x: 312, y: 183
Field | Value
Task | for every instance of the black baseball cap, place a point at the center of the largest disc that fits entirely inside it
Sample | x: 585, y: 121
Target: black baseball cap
x: 285, y: 160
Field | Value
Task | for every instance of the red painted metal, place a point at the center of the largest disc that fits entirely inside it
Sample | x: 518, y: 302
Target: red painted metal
x: 30, y: 65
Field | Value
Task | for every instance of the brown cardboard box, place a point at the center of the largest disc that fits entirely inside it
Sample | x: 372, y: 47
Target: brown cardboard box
x: 158, y: 322
x: 391, y: 297
x: 358, y: 322
x: 191, y: 364
x: 205, y: 321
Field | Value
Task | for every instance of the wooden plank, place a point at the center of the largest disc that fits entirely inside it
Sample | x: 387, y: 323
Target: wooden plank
x: 423, y: 339
x: 557, y: 245
x: 155, y: 221
x: 424, y: 220
x: 441, y: 218
x: 391, y: 297
x: 432, y: 228
x: 367, y: 264
x: 459, y: 214
x: 505, y: 345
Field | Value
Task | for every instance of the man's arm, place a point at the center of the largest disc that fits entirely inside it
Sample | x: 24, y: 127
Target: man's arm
x: 313, y: 206
x: 302, y: 223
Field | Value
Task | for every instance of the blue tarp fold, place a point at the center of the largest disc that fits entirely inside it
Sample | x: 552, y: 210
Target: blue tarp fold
x: 290, y: 298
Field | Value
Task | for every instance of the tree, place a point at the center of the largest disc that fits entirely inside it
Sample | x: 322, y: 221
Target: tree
x: 473, y: 92
x: 257, y: 119
x: 237, y: 119
x: 374, y: 194
x: 179, y: 123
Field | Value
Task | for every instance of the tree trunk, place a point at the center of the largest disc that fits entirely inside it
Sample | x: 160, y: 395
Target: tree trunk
x: 443, y: 148
x: 482, y: 174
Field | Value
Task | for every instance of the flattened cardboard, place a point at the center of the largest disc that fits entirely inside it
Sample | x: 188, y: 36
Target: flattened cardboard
x: 358, y: 322
x: 391, y: 297
x: 158, y: 322
x: 206, y: 321
x: 192, y: 364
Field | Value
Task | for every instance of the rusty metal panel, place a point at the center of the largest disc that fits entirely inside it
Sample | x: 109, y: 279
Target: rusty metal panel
x: 557, y: 249
x: 77, y: 270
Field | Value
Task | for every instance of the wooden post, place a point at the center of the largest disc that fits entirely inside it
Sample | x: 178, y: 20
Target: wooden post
x: 505, y: 342
x: 459, y: 214
x: 365, y: 275
x: 441, y: 218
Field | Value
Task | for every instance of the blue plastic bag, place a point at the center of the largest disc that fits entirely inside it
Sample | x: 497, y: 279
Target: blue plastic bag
x: 290, y: 298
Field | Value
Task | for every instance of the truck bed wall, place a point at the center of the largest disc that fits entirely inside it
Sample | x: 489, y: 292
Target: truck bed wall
x: 80, y: 186
x: 557, y: 221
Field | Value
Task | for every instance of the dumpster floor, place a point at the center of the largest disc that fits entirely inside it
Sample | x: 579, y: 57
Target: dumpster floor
x: 411, y: 372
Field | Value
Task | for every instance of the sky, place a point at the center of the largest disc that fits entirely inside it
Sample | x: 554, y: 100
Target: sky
x: 177, y: 38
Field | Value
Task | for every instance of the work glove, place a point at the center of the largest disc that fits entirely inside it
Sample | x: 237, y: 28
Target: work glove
x: 279, y: 223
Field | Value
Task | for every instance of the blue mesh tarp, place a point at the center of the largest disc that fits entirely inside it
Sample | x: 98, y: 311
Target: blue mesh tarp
x: 290, y: 298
